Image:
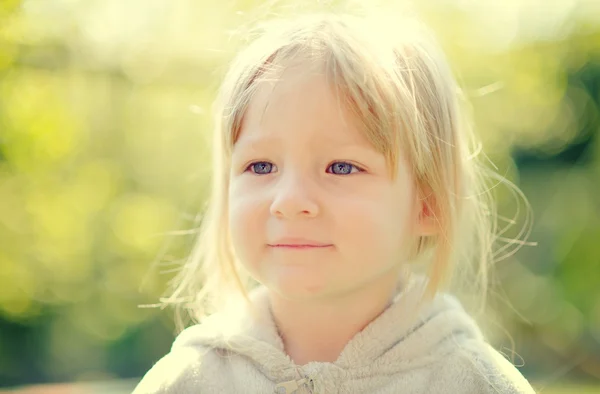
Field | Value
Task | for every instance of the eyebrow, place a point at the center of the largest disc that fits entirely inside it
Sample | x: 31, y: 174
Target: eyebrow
x: 257, y: 143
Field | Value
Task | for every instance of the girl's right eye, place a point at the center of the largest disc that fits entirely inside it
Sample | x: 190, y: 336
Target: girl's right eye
x: 261, y: 167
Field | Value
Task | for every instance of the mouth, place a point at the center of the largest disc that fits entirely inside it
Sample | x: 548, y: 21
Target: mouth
x: 300, y: 246
x: 298, y: 243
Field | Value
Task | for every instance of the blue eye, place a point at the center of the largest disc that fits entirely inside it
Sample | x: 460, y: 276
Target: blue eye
x: 260, y: 167
x: 337, y: 168
x: 342, y: 168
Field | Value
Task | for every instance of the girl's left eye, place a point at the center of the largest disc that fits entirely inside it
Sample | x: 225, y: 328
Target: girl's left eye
x: 261, y: 167
x: 342, y: 168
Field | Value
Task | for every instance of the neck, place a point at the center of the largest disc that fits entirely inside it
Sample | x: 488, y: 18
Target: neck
x: 319, y: 329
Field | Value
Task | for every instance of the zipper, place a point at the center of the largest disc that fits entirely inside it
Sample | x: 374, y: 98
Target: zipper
x: 291, y: 386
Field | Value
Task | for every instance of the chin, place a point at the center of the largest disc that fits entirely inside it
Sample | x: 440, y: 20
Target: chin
x: 297, y: 288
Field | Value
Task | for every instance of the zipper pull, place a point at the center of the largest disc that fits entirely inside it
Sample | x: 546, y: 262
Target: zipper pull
x: 290, y: 387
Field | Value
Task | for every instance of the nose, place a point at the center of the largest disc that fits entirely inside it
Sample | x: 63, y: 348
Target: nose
x: 293, y: 198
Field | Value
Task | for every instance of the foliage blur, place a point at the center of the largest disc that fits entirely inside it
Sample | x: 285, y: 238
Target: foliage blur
x: 104, y: 123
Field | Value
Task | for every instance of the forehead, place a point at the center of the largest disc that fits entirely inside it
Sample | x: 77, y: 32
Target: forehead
x: 299, y: 101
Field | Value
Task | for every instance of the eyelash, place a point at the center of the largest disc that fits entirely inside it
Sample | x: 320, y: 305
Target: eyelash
x: 249, y: 167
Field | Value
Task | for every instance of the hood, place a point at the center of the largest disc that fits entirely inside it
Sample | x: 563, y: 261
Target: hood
x: 402, y: 337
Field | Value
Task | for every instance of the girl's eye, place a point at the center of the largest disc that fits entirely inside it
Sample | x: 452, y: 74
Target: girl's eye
x: 337, y: 168
x: 261, y: 167
x: 342, y: 168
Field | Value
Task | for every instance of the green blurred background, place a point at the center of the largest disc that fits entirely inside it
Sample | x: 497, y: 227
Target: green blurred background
x: 104, y: 129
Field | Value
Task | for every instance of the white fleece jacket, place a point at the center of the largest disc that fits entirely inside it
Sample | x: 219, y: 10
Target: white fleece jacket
x: 440, y: 350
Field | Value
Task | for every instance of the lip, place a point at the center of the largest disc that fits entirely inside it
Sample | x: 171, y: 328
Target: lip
x: 298, y: 243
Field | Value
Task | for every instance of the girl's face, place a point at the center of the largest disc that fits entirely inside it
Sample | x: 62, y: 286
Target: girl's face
x: 313, y: 210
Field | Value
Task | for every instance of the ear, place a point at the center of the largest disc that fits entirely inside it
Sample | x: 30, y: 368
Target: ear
x: 427, y: 214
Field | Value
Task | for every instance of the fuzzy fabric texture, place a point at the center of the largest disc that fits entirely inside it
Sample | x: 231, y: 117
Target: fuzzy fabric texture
x: 436, y: 348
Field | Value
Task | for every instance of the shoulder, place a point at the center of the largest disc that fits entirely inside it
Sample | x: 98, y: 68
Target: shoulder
x: 177, y: 372
x: 476, y: 367
x: 192, y: 364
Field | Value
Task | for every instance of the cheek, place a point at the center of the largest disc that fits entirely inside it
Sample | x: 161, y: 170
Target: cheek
x: 373, y: 228
x: 376, y: 227
x: 246, y: 224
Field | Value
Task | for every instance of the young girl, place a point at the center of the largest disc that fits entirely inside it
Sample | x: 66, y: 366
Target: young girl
x: 343, y: 163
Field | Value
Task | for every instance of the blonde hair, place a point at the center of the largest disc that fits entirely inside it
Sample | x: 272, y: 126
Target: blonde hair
x: 401, y: 89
